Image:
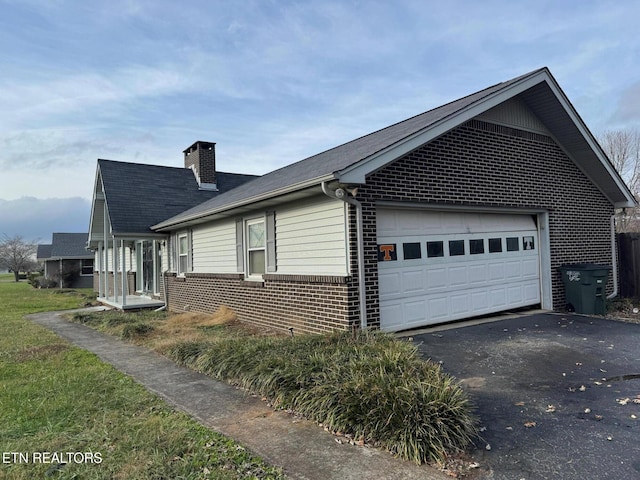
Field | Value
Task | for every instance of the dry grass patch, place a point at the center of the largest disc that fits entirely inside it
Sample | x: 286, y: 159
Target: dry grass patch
x: 180, y: 321
x: 189, y: 327
x: 39, y: 352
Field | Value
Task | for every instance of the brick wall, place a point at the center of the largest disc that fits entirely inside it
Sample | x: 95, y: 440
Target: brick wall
x: 307, y: 303
x: 482, y: 164
x: 131, y: 280
x: 202, y: 156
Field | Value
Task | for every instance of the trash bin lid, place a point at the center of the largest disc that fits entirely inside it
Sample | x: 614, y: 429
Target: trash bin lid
x: 584, y: 266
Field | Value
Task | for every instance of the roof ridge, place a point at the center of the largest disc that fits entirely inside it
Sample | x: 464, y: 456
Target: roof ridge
x: 409, y: 119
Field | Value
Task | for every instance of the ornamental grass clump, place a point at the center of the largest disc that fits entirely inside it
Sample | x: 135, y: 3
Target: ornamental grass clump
x: 367, y: 385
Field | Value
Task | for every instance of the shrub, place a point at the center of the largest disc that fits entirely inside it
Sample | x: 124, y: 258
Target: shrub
x: 42, y: 282
x: 367, y: 385
x: 139, y: 329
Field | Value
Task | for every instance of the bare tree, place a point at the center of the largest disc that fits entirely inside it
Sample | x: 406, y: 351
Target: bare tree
x: 623, y: 149
x: 17, y: 255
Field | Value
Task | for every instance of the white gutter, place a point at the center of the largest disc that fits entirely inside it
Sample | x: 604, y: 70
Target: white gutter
x: 614, y: 259
x: 340, y: 194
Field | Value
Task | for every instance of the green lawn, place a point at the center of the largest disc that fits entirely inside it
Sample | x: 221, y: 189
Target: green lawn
x: 60, y: 404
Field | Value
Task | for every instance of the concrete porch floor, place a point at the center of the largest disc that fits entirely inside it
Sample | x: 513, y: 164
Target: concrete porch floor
x: 131, y: 302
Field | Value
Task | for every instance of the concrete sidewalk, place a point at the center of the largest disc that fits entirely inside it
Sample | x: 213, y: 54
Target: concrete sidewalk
x: 302, y: 448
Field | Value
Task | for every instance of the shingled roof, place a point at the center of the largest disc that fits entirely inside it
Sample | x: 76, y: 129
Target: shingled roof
x: 139, y: 195
x: 65, y: 245
x: 350, y: 162
x: 43, y: 252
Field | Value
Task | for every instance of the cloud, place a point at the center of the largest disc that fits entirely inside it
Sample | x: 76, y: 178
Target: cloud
x: 93, y: 95
x: 36, y: 219
x: 628, y: 106
x: 40, y: 150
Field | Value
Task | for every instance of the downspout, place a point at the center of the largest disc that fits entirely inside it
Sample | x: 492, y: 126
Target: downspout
x: 614, y: 259
x: 340, y: 194
x: 164, y: 291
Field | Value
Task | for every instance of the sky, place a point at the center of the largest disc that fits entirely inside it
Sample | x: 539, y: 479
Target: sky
x: 270, y: 81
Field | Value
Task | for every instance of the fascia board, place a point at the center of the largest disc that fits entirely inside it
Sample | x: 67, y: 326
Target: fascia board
x: 594, y: 145
x: 357, y: 173
x: 97, y: 195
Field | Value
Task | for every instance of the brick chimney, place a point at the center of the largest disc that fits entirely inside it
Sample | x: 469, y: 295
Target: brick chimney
x: 201, y: 158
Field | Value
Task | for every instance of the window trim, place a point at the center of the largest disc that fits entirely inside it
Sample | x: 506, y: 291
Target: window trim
x: 271, y: 253
x: 247, y: 249
x: 83, y: 266
x: 186, y: 254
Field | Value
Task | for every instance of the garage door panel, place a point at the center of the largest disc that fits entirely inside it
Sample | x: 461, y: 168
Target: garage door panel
x: 450, y: 283
x: 513, y: 269
x: 413, y: 281
x: 391, y: 281
x: 457, y: 276
x: 438, y: 309
x: 479, y: 301
x: 436, y: 279
x: 477, y: 274
x: 414, y: 311
x: 393, y: 315
x: 497, y: 297
x: 515, y: 294
x: 459, y: 304
x: 496, y: 271
x: 532, y: 292
x: 530, y: 267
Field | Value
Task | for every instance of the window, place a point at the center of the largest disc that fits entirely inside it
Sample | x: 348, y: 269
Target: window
x: 87, y: 266
x: 411, y: 251
x: 512, y: 244
x: 183, y: 253
x: 456, y: 248
x: 387, y: 252
x: 495, y: 245
x: 528, y: 243
x: 435, y: 249
x: 476, y: 246
x: 256, y: 247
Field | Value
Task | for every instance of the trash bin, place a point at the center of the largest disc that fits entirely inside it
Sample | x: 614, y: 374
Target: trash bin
x: 584, y: 285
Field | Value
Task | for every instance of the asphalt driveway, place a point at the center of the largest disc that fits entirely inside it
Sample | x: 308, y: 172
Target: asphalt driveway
x: 558, y: 396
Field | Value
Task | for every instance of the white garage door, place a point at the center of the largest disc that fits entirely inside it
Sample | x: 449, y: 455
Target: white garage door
x: 435, y: 267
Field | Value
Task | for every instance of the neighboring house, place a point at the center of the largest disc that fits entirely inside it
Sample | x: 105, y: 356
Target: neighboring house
x: 67, y: 261
x: 128, y: 198
x: 464, y: 210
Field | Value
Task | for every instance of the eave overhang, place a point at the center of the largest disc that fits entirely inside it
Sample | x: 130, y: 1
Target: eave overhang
x: 289, y: 193
x: 542, y: 94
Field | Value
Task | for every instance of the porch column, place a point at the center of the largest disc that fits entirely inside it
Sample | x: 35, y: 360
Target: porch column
x: 105, y: 253
x: 123, y: 272
x: 115, y: 269
x: 100, y: 259
x: 154, y: 252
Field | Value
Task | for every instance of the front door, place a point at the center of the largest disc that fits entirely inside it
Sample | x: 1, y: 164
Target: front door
x: 148, y: 269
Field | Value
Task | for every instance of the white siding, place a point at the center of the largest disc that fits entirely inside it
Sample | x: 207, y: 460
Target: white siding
x: 311, y: 238
x: 214, y: 247
x: 516, y: 113
x: 130, y: 259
